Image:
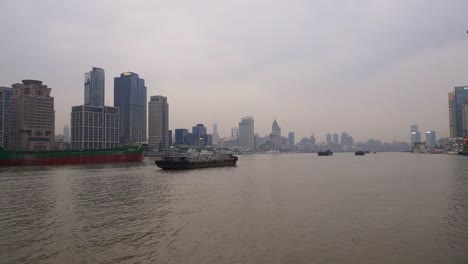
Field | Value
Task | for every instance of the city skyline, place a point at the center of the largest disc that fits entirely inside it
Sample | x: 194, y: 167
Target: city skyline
x: 386, y: 63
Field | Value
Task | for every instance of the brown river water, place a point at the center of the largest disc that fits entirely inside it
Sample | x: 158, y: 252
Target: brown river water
x: 277, y: 208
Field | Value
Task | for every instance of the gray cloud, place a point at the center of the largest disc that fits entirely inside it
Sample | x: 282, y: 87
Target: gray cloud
x: 366, y: 67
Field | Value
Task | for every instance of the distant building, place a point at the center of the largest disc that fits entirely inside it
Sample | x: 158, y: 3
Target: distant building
x: 291, y: 140
x: 94, y: 87
x: 275, y: 136
x: 458, y: 111
x: 230, y: 142
x: 130, y: 97
x: 215, y: 134
x: 451, y: 104
x: 94, y: 127
x: 246, y: 133
x: 235, y: 132
x: 5, y: 94
x: 329, y: 139
x: 181, y: 136
x: 415, y: 134
x: 158, y: 123
x: 199, y: 136
x: 66, y: 134
x: 335, y: 139
x: 32, y: 117
x: 431, y: 139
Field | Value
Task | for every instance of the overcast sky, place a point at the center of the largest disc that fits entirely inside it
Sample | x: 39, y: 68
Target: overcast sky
x: 370, y: 68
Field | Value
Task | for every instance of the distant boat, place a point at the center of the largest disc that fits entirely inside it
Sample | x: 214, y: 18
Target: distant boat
x: 325, y: 153
x: 360, y: 153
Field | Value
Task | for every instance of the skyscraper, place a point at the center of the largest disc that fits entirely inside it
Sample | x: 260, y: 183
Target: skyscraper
x: 5, y: 94
x: 275, y: 136
x: 158, y: 123
x: 32, y: 117
x: 66, y: 134
x: 130, y: 97
x: 329, y: 139
x: 94, y: 87
x: 215, y: 134
x: 246, y: 133
x: 415, y: 134
x: 291, y: 140
x: 451, y: 104
x: 457, y: 108
x: 199, y: 136
x: 181, y: 136
x: 430, y: 139
x: 235, y: 132
x: 335, y: 139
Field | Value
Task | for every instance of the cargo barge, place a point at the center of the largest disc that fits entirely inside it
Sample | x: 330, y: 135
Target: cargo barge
x: 196, y: 162
x: 131, y: 153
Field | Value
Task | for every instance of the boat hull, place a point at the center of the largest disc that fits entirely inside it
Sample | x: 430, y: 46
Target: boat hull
x: 187, y: 165
x: 70, y: 157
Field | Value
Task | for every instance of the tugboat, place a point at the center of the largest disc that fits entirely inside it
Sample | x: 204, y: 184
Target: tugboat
x: 325, y: 153
x: 465, y: 146
x: 360, y: 153
x: 196, y: 162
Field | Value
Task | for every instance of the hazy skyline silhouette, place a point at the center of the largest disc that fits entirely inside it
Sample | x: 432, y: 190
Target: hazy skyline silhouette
x: 370, y: 69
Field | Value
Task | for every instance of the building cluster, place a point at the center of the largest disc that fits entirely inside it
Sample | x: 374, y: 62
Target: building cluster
x: 27, y: 116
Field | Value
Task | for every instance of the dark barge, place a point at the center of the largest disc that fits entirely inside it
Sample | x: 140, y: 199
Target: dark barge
x: 196, y: 162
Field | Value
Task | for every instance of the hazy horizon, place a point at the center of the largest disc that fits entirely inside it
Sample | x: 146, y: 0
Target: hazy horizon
x: 368, y: 68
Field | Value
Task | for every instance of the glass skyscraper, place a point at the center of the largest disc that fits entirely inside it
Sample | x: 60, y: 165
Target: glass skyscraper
x: 130, y: 97
x: 460, y: 110
x: 94, y: 87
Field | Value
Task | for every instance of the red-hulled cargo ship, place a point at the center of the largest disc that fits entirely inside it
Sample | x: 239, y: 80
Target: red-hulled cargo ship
x: 130, y: 153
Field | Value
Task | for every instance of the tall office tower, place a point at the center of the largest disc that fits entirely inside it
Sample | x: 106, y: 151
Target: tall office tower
x: 130, y: 97
x: 430, y: 139
x: 181, y: 136
x: 235, y: 132
x: 335, y: 139
x: 291, y: 140
x: 158, y: 123
x: 457, y: 109
x: 94, y: 127
x: 94, y: 87
x: 275, y: 136
x: 5, y: 94
x: 246, y: 133
x: 32, y: 117
x: 66, y: 134
x: 215, y: 134
x: 415, y: 134
x: 344, y: 138
x: 199, y: 137
x: 451, y: 104
x: 329, y: 139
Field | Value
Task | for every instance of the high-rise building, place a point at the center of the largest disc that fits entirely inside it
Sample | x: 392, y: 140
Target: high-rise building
x: 130, y: 97
x: 158, y: 123
x: 415, y: 134
x: 235, y: 132
x: 451, y: 104
x: 275, y: 136
x: 246, y: 133
x: 457, y: 108
x: 181, y: 136
x: 94, y: 87
x: 32, y: 117
x: 335, y: 139
x: 215, y: 134
x: 5, y: 95
x: 66, y: 134
x: 94, y: 127
x: 344, y: 138
x: 430, y: 139
x: 291, y: 140
x: 199, y: 137
x: 329, y: 139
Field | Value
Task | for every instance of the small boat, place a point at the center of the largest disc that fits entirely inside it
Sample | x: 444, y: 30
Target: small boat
x: 325, y: 153
x: 196, y: 162
x: 360, y: 153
